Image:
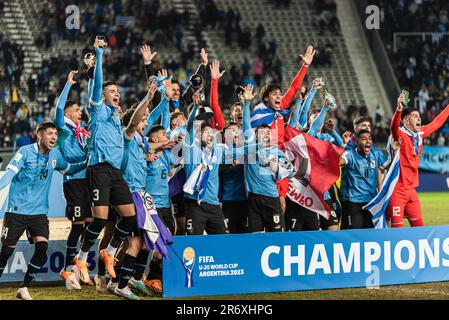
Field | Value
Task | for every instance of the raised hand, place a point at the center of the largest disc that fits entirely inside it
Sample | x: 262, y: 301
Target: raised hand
x: 401, y: 101
x: 162, y: 73
x: 302, y: 93
x: 147, y: 55
x: 89, y: 60
x: 248, y: 92
x: 152, y: 90
x: 346, y: 137
x: 100, y: 43
x: 72, y: 75
x: 196, y: 98
x: 396, y: 145
x: 329, y: 125
x: 308, y: 56
x: 317, y: 83
x: 215, y: 73
x: 168, y: 88
x: 330, y: 102
x: 203, y: 55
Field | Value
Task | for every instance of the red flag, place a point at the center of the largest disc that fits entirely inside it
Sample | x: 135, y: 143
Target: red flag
x: 317, y: 169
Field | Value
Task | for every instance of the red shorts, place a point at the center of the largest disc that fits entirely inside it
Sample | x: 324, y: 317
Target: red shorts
x: 404, y: 203
x: 282, y: 187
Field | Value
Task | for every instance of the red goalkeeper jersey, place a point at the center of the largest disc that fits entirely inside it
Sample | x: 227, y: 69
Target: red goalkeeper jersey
x: 411, y: 147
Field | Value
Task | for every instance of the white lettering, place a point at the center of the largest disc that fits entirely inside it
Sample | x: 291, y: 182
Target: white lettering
x: 404, y: 265
x: 352, y: 259
x: 426, y: 252
x: 289, y: 260
x: 319, y: 260
x: 265, y: 263
x: 372, y: 254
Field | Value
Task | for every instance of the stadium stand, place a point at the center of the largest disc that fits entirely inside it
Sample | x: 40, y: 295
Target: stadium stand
x: 255, y: 52
x: 416, y: 39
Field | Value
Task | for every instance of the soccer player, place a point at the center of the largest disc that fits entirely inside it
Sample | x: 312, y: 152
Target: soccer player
x: 361, y: 178
x: 271, y: 111
x: 264, y: 168
x: 316, y: 121
x: 30, y: 172
x: 106, y: 184
x: 232, y: 181
x: 404, y: 201
x: 202, y: 169
x: 72, y: 143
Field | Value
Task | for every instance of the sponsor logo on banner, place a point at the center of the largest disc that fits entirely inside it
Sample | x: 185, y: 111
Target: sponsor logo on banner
x: 188, y: 258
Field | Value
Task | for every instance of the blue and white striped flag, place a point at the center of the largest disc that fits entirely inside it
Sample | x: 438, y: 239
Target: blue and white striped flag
x: 265, y: 115
x: 379, y: 204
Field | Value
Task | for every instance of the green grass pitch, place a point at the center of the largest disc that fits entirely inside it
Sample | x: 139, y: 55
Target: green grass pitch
x: 435, y: 207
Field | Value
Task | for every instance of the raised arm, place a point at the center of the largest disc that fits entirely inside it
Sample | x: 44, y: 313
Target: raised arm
x: 316, y: 125
x: 140, y: 112
x: 98, y: 74
x: 191, y: 120
x: 165, y: 118
x: 396, y: 121
x: 307, y: 58
x: 294, y: 119
x: 215, y: 74
x: 7, y: 178
x: 437, y: 123
x: 60, y: 104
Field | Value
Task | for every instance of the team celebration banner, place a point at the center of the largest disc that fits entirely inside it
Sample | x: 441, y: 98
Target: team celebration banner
x: 290, y: 261
x: 435, y: 159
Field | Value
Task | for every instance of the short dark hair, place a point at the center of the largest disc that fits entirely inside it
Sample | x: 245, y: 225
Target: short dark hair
x: 126, y: 118
x: 360, y: 120
x: 175, y: 81
x: 45, y: 125
x: 204, y: 125
x: 109, y: 83
x: 267, y: 89
x: 69, y: 104
x: 155, y: 129
x: 262, y: 126
x: 230, y: 123
x: 408, y: 111
x: 362, y: 131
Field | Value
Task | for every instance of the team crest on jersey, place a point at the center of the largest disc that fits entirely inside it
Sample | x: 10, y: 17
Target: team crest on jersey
x: 276, y: 218
x: 18, y: 157
x: 53, y: 164
x: 372, y: 164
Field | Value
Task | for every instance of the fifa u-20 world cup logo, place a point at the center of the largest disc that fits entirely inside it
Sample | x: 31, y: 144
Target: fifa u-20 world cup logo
x: 188, y: 259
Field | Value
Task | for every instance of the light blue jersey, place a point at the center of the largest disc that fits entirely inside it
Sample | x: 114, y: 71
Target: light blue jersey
x: 157, y: 180
x: 31, y: 179
x: 360, y: 176
x: 134, y: 161
x: 72, y: 149
x: 106, y: 143
x: 259, y: 177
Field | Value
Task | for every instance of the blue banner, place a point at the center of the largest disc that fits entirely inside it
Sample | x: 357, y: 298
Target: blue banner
x: 290, y: 261
x: 435, y: 159
x: 54, y: 261
x: 433, y: 182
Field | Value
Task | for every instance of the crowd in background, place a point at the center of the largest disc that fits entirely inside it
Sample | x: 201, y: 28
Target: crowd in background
x: 421, y: 64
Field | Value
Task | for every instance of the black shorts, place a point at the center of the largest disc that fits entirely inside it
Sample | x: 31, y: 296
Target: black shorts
x: 107, y: 186
x: 76, y: 193
x: 298, y: 218
x: 354, y: 217
x: 236, y: 216
x: 15, y: 224
x: 178, y: 205
x: 264, y: 213
x: 113, y: 215
x: 204, y: 217
x: 167, y: 218
x: 333, y: 219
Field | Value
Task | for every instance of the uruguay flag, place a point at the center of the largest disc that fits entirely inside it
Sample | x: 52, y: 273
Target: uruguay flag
x: 379, y: 204
x: 265, y: 115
